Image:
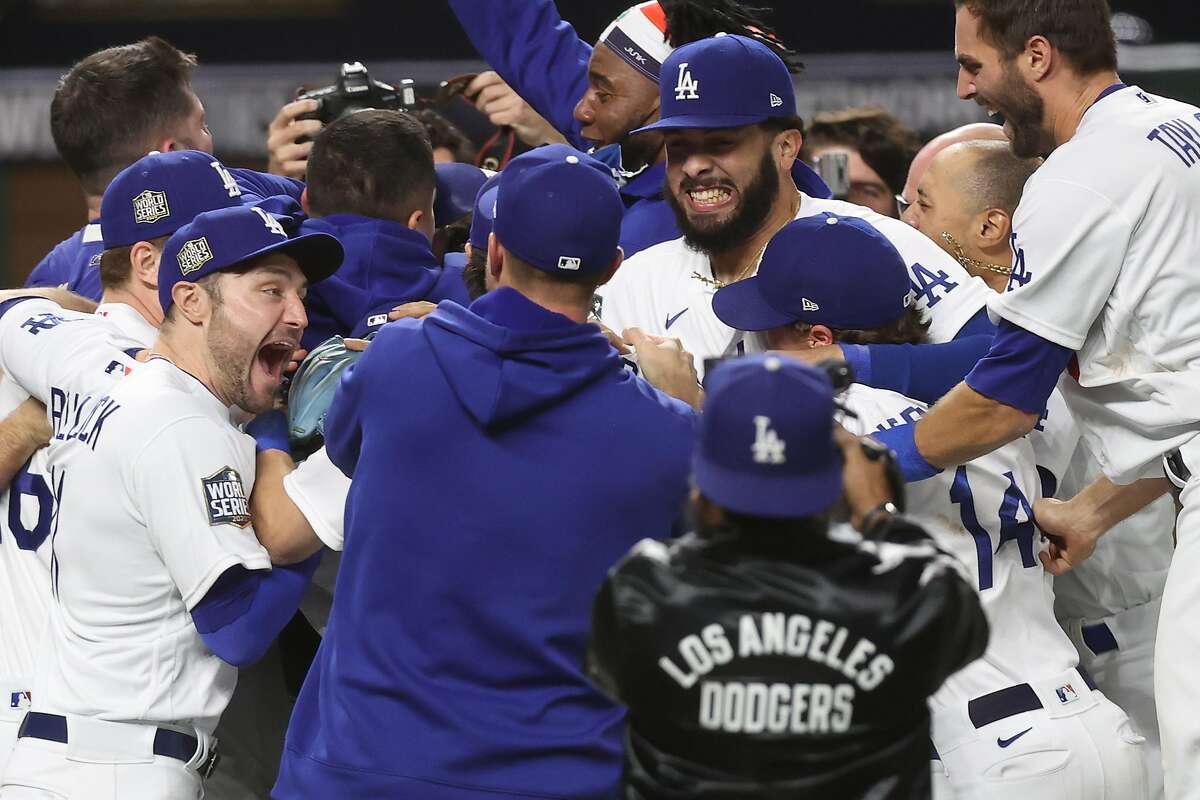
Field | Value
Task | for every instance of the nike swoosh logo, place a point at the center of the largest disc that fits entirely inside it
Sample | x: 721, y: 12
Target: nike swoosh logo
x: 671, y: 320
x: 1007, y: 742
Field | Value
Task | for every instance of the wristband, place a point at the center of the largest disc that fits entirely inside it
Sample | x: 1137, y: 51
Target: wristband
x: 270, y: 431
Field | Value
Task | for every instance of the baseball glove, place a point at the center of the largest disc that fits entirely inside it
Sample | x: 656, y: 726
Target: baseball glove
x: 312, y: 390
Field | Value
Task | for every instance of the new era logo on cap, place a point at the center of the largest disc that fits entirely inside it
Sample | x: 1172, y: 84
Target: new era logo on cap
x: 809, y: 305
x: 150, y: 206
x: 194, y: 254
x: 776, y: 100
x: 567, y: 262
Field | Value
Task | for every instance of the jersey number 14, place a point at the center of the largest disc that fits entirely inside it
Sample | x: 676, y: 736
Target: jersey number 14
x: 1011, y: 530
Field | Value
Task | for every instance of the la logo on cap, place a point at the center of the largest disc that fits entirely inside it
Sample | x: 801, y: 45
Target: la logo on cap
x: 568, y: 262
x: 272, y: 224
x: 686, y: 88
x: 194, y: 254
x: 768, y: 448
x: 149, y: 207
x: 227, y: 180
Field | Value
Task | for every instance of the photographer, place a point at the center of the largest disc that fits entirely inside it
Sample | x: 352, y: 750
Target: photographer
x: 776, y: 652
x: 879, y: 149
x: 371, y: 184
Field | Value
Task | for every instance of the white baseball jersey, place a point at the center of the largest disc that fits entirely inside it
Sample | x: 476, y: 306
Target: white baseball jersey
x: 656, y: 290
x: 319, y: 490
x: 51, y: 354
x: 152, y: 486
x: 1106, y: 242
x: 982, y: 513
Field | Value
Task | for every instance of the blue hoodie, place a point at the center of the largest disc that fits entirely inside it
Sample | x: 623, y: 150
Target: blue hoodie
x: 503, y: 460
x: 386, y: 264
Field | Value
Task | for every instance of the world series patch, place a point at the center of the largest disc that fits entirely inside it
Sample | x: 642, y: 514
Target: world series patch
x: 225, y: 498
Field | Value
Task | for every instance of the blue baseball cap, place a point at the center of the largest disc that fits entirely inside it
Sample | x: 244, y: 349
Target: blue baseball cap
x: 766, y: 438
x: 160, y: 193
x: 558, y: 210
x: 726, y: 81
x: 485, y: 212
x: 457, y: 187
x: 825, y: 269
x: 229, y: 237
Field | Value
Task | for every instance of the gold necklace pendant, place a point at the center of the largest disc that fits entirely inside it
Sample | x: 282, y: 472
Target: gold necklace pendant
x: 967, y: 261
x: 719, y: 284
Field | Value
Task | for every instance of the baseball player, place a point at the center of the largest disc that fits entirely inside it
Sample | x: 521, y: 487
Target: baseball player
x: 134, y: 674
x: 143, y: 205
x: 471, y: 696
x: 597, y: 96
x: 729, y: 119
x: 776, y: 652
x: 1109, y: 604
x: 1109, y: 294
x: 1023, y: 718
x: 113, y: 107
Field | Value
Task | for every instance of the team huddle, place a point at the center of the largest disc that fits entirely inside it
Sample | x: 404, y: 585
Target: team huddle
x: 685, y: 476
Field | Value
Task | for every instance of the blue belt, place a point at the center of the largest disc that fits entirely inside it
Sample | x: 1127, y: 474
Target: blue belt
x: 1099, y: 638
x: 989, y: 708
x: 169, y: 743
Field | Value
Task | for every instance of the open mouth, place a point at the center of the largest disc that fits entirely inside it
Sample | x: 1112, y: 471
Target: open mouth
x: 273, y: 357
x: 709, y: 198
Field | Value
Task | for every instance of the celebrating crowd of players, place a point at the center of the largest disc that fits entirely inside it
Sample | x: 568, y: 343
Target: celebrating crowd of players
x: 868, y: 398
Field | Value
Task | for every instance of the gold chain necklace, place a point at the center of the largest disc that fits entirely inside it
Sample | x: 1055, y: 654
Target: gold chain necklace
x: 719, y: 284
x: 967, y: 261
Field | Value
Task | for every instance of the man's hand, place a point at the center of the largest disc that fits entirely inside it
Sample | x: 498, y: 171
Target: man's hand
x: 1072, y: 534
x: 57, y: 294
x: 288, y: 156
x: 616, y: 341
x: 414, y: 310
x: 504, y: 107
x: 667, y: 366
x: 865, y: 480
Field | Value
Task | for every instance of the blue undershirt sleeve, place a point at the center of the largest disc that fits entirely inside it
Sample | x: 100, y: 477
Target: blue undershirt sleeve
x: 923, y: 372
x: 244, y: 610
x: 1020, y: 370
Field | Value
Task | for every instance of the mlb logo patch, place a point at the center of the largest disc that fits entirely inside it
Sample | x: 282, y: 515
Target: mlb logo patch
x: 194, y: 254
x: 225, y: 498
x: 376, y: 319
x: 20, y: 699
x: 149, y: 207
x: 567, y: 262
x: 1066, y: 694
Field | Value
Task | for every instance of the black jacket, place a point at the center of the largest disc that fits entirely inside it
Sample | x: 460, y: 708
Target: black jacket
x: 764, y: 668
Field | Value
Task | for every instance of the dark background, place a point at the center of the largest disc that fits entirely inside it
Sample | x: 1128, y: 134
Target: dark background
x: 58, y: 32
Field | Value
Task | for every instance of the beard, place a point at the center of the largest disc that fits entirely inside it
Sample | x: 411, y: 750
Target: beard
x: 1025, y: 113
x: 232, y: 358
x: 732, y: 232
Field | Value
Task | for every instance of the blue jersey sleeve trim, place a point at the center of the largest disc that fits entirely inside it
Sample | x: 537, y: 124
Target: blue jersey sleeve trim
x: 1020, y: 370
x: 9, y: 305
x: 245, y: 609
x: 858, y: 356
x: 913, y: 465
x: 978, y: 325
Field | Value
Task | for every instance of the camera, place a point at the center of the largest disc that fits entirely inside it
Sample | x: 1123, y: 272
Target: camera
x: 834, y: 169
x: 355, y: 91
